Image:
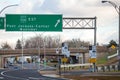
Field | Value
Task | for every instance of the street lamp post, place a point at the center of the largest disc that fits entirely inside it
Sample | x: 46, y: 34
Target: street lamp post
x: 44, y: 53
x: 59, y: 60
x: 7, y: 7
x: 117, y: 8
x: 39, y: 48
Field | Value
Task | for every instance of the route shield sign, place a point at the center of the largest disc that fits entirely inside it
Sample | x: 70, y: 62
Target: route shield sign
x: 33, y: 22
x: 92, y: 52
x: 1, y: 22
x: 92, y: 60
x: 64, y: 60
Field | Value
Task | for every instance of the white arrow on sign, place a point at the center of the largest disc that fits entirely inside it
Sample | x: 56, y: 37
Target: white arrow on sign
x: 58, y: 21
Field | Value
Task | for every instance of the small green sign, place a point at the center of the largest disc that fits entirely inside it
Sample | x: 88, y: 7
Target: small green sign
x: 33, y: 22
x: 1, y: 22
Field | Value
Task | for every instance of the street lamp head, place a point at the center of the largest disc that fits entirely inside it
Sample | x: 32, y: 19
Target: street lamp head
x: 16, y: 5
x: 113, y: 4
x: 104, y: 1
x: 8, y: 7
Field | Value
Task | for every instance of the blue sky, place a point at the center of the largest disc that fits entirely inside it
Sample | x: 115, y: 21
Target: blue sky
x: 107, y: 18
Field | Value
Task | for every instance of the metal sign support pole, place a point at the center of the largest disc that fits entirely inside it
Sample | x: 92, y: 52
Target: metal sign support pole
x: 95, y: 42
x: 22, y: 49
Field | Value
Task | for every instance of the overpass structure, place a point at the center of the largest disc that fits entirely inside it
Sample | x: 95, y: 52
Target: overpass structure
x: 35, y: 51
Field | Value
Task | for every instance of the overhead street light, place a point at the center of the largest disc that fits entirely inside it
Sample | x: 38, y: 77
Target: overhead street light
x: 117, y: 8
x: 113, y: 4
x: 104, y: 1
x: 8, y: 7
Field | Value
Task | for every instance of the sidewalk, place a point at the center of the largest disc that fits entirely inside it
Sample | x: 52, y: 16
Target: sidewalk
x: 49, y: 73
x: 88, y: 73
x: 92, y: 75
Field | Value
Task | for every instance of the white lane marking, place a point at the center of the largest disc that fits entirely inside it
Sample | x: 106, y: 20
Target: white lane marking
x: 1, y: 77
x: 35, y: 78
x: 2, y: 73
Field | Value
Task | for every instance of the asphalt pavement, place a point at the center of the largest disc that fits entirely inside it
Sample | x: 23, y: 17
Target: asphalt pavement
x: 29, y: 72
x: 24, y: 74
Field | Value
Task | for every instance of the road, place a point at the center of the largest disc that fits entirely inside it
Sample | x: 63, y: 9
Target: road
x: 31, y: 72
x: 16, y: 73
x: 25, y: 74
x: 35, y: 66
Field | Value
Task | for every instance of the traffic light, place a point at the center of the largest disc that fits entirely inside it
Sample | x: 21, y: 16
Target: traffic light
x: 90, y: 47
x: 62, y: 44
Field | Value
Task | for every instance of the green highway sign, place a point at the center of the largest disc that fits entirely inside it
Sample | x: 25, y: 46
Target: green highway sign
x: 1, y: 22
x: 33, y: 22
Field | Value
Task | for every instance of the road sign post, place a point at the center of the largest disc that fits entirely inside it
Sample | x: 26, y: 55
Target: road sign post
x: 93, y: 56
x: 1, y: 22
x: 33, y: 22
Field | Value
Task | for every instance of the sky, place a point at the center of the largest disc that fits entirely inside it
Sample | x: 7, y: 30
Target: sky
x: 107, y: 18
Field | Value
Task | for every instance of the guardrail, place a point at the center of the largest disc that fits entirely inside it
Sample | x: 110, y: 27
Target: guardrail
x: 75, y: 65
x: 114, y: 55
x: 111, y: 56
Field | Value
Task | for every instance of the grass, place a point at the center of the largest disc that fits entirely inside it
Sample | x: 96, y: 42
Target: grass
x: 102, y: 60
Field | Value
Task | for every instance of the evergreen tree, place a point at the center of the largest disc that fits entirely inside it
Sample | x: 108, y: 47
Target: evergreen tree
x: 18, y: 45
x: 112, y: 42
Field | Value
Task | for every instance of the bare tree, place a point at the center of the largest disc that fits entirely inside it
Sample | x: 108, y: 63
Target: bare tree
x: 5, y: 46
x: 77, y: 43
x: 34, y: 42
x: 52, y: 42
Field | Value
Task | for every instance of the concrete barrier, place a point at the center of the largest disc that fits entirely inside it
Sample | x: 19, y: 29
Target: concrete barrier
x: 108, y: 68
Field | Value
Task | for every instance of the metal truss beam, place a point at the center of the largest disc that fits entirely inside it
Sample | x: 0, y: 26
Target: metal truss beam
x: 79, y: 23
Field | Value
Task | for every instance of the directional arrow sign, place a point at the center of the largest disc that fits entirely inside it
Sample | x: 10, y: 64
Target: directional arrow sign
x: 33, y: 22
x: 1, y: 22
x: 58, y: 21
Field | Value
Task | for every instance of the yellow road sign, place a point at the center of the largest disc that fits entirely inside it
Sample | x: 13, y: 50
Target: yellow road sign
x: 113, y: 47
x: 92, y: 60
x: 64, y: 60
